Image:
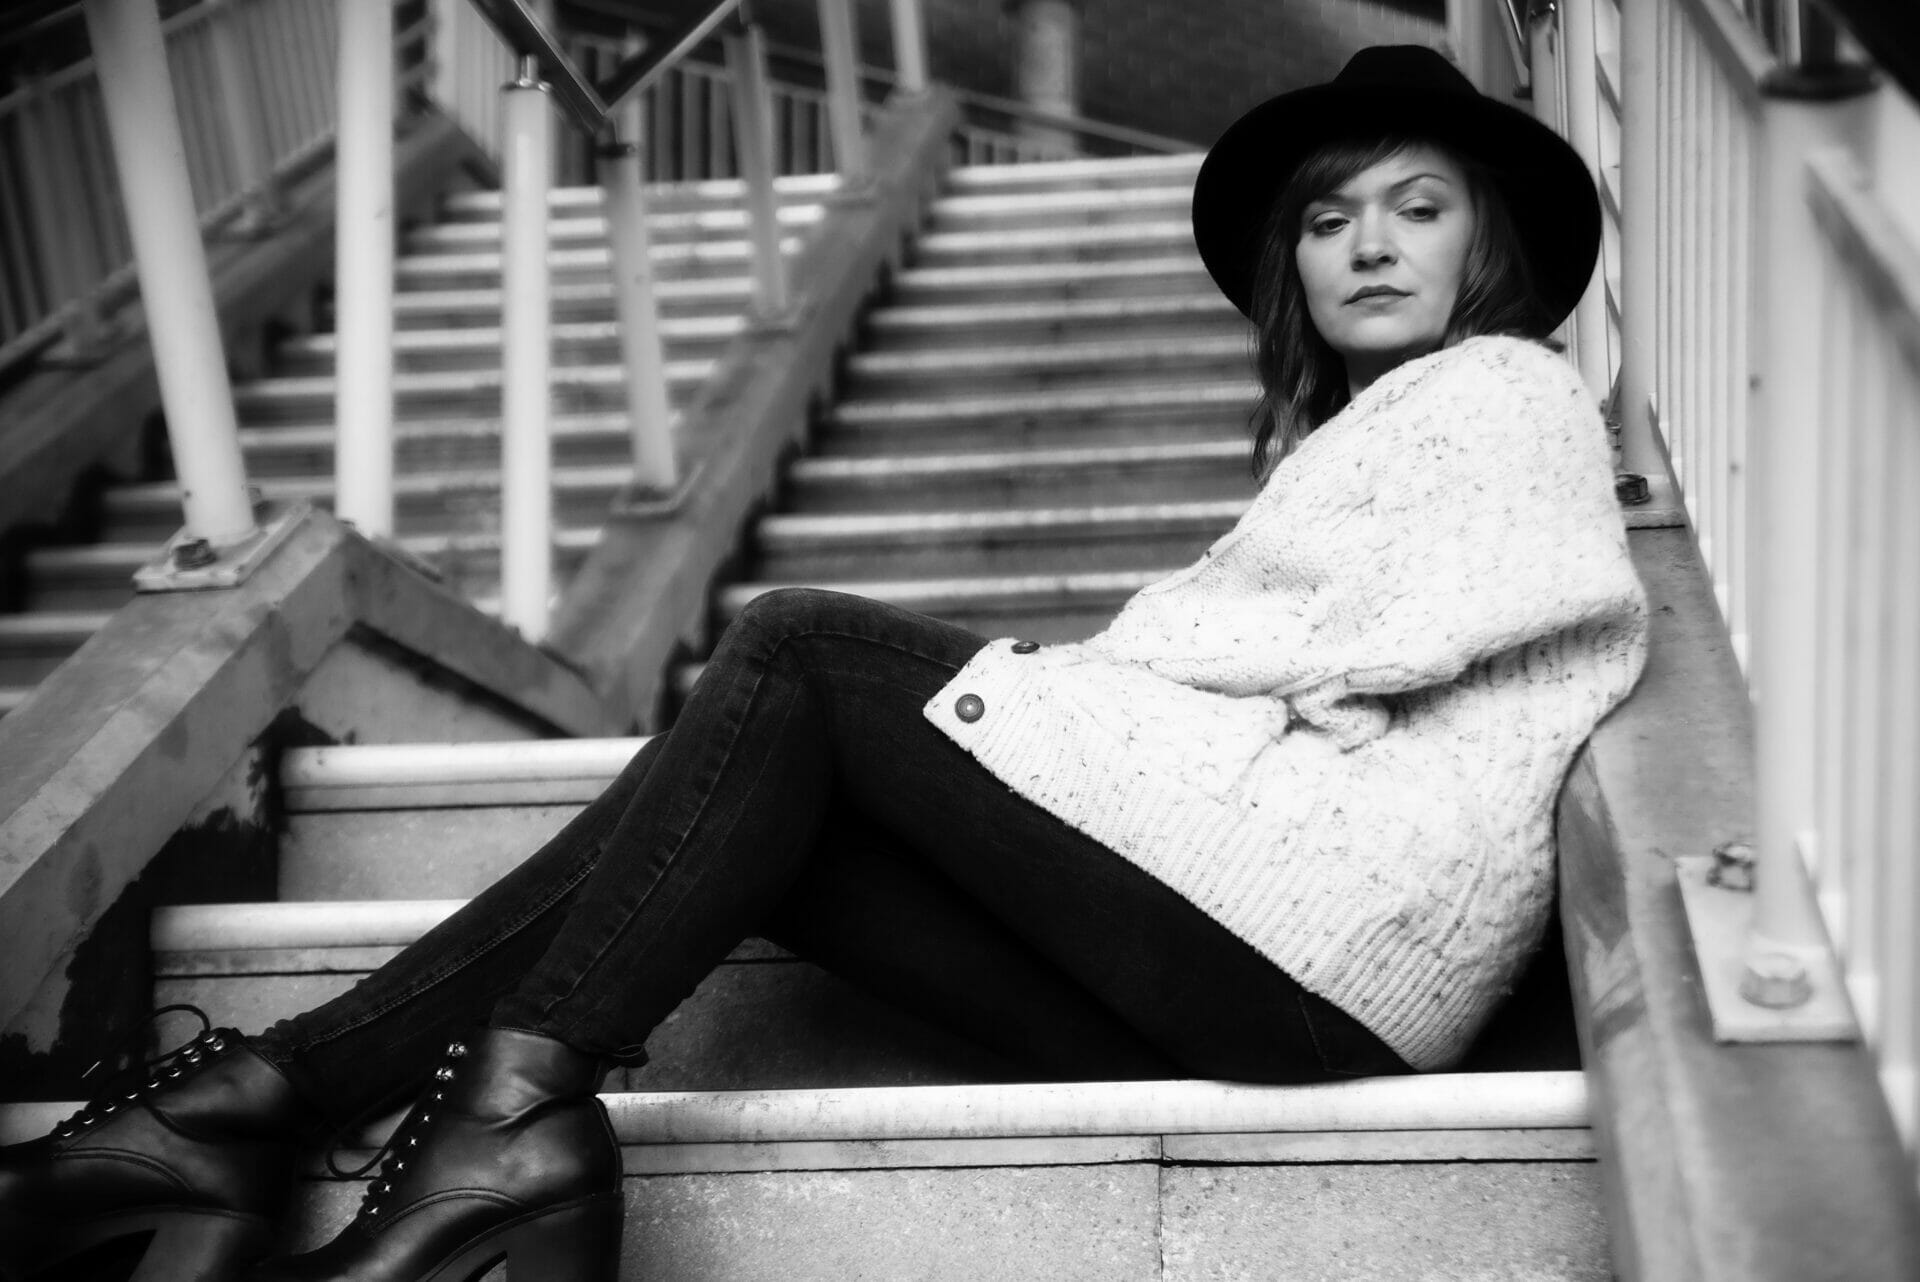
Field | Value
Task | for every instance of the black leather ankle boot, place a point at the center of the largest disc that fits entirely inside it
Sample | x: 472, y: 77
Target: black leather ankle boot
x: 198, y: 1161
x: 507, y: 1156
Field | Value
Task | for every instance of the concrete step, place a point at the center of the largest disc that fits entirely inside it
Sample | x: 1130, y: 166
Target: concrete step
x: 587, y: 300
x: 480, y: 269
x: 1053, y: 244
x: 1166, y: 273
x: 565, y: 202
x: 1083, y: 1182
x: 1186, y: 470
x: 478, y: 346
x: 1060, y: 207
x: 425, y: 502
x: 1093, y: 173
x: 89, y: 577
x: 936, y: 326
x: 1083, y: 417
x: 574, y: 230
x: 1065, y: 364
x: 302, y: 449
x: 853, y: 547
x: 32, y: 645
x: 445, y: 393
x: 1038, y: 607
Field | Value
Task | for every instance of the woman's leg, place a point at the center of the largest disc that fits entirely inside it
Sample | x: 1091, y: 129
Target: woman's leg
x: 366, y: 1049
x: 811, y: 708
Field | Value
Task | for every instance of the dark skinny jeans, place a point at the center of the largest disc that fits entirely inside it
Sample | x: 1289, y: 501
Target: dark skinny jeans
x: 802, y: 797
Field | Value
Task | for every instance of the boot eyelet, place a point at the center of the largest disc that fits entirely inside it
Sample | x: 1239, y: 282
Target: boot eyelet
x: 457, y: 1050
x: 443, y: 1074
x: 216, y: 1043
x: 438, y: 1096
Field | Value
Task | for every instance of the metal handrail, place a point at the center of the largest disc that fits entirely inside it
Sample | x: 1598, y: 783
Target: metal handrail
x: 884, y: 78
x: 590, y: 105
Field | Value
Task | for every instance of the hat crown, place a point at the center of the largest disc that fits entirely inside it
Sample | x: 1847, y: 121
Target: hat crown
x: 1402, y: 68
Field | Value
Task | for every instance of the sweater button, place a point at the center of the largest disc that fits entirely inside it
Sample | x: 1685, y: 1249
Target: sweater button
x: 1025, y: 647
x: 969, y: 707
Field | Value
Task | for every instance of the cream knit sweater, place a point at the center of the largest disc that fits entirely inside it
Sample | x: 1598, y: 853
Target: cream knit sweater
x: 1341, y: 732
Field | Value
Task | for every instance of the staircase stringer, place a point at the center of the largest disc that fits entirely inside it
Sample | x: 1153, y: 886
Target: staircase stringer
x: 125, y: 745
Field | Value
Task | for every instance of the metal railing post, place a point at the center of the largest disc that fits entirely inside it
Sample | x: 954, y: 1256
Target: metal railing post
x: 363, y: 256
x: 642, y: 353
x: 909, y: 47
x: 841, y: 52
x: 1640, y: 304
x: 753, y: 137
x: 1803, y: 114
x: 240, y: 110
x: 171, y: 263
x: 1580, y: 92
x: 526, y: 490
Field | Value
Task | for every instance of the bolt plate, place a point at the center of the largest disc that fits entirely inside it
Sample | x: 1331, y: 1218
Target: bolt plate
x: 235, y: 561
x: 1719, y: 919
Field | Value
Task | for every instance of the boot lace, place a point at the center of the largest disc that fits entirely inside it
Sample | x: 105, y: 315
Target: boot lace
x: 129, y: 1088
x: 394, y: 1155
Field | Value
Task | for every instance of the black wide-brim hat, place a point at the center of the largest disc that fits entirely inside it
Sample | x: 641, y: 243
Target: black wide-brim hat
x: 1406, y: 90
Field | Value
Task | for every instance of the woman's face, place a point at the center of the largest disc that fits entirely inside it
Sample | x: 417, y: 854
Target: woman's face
x: 1382, y: 259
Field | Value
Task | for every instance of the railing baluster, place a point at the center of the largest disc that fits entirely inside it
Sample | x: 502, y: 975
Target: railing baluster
x: 364, y: 251
x: 747, y: 64
x: 649, y: 410
x: 172, y: 267
x: 526, y: 505
x: 841, y: 51
x: 909, y: 47
x: 239, y: 96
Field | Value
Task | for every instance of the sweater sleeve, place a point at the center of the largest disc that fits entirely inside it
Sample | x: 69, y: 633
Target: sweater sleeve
x: 1492, y: 523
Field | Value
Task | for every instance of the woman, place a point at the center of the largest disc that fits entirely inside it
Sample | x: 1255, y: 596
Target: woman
x: 1287, y: 818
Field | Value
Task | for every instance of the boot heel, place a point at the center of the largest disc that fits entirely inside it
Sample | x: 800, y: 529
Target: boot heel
x: 202, y: 1248
x: 577, y: 1243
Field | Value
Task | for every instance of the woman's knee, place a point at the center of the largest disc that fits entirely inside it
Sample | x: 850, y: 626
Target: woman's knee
x: 782, y: 613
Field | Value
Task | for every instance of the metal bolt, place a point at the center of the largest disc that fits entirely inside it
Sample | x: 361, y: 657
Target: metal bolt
x: 1732, y: 866
x: 193, y: 554
x: 1776, y: 981
x: 1630, y: 489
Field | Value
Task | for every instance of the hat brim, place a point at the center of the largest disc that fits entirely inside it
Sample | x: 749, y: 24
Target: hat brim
x: 1556, y: 211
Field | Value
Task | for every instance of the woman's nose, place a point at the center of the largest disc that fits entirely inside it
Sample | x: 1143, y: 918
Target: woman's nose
x: 1371, y: 246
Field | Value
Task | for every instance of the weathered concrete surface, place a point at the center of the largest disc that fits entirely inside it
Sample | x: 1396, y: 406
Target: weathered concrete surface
x: 1755, y: 1163
x: 1387, y: 1222
x: 769, y: 1025
x: 110, y: 756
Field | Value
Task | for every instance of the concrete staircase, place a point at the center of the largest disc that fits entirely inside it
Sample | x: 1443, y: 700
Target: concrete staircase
x: 1047, y: 412
x: 447, y: 403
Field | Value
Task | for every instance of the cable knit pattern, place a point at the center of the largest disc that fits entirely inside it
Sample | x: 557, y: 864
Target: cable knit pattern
x: 1342, y: 731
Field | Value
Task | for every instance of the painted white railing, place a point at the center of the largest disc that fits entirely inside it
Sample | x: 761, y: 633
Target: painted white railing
x: 254, y: 82
x: 1862, y: 844
x: 1761, y: 285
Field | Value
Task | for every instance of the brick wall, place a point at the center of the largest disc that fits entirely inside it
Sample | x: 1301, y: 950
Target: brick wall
x: 1185, y: 68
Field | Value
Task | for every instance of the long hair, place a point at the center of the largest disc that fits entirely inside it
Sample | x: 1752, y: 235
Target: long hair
x: 1303, y: 381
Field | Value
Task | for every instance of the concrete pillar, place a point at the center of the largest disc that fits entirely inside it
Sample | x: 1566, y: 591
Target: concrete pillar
x: 1046, y: 63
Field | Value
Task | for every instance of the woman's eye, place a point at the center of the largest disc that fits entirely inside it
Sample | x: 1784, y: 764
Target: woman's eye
x: 1421, y: 213
x: 1326, y: 226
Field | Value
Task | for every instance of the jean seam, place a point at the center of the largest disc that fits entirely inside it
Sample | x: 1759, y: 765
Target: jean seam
x: 700, y: 813
x: 514, y: 927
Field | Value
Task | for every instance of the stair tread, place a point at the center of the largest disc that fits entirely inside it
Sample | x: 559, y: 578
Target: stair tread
x: 1213, y: 392
x: 932, y: 593
x: 581, y: 226
x: 1039, y: 356
x: 716, y: 189
x: 941, y: 316
x: 486, y: 337
x: 781, y: 530
x: 1146, y: 168
x: 714, y: 251
x: 822, y: 470
x: 416, y: 382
